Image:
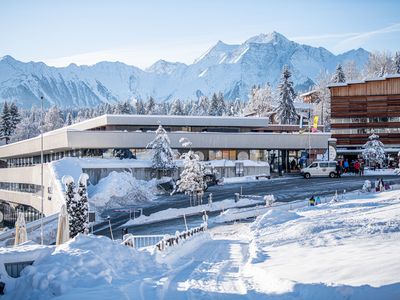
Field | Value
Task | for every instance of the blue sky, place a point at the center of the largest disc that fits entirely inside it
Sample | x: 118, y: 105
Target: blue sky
x: 141, y: 32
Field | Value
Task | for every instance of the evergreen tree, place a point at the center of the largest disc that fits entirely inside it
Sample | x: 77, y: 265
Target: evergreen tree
x: 151, y: 106
x: 82, y: 206
x: 203, y: 106
x: 176, y: 108
x: 339, y: 76
x: 397, y: 63
x: 163, y: 156
x: 15, y: 116
x: 68, y: 181
x: 191, y: 180
x: 213, y: 109
x: 285, y: 112
x: 68, y: 119
x: 374, y: 150
x: 140, y: 109
x: 77, y: 204
x: 6, y: 127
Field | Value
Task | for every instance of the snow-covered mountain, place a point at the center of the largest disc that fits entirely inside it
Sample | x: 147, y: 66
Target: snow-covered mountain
x: 232, y: 69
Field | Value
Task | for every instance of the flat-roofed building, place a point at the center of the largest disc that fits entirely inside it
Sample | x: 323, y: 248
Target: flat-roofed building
x: 213, y: 138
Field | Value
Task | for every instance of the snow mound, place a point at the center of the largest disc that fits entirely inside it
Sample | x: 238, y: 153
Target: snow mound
x: 91, y: 265
x: 120, y: 189
x: 274, y: 217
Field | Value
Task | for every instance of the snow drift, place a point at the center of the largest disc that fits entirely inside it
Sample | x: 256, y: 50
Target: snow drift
x: 120, y: 189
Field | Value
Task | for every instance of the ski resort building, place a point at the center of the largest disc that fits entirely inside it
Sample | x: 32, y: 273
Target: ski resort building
x: 226, y: 139
x: 360, y: 108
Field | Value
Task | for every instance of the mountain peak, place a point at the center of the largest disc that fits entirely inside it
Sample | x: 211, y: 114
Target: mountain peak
x: 8, y: 58
x: 162, y: 66
x: 263, y: 38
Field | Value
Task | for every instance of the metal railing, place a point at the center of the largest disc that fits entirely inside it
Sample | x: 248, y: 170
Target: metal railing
x: 141, y: 241
x: 160, y: 242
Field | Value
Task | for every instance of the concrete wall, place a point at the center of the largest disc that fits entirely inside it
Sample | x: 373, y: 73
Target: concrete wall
x: 53, y: 198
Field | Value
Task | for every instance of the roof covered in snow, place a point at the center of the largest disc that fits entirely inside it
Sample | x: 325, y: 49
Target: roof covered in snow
x: 363, y: 81
x: 152, y: 120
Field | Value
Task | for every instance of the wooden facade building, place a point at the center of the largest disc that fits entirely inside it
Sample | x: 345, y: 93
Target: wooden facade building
x: 360, y: 108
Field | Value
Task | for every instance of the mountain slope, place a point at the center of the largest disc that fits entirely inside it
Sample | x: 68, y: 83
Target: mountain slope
x: 232, y: 69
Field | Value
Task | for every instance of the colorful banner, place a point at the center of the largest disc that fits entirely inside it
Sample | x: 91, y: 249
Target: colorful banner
x: 315, y: 122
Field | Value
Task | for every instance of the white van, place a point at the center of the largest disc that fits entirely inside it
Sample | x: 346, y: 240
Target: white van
x: 320, y: 168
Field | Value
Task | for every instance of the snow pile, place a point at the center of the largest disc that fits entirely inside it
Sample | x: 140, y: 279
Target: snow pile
x: 274, y: 217
x: 120, y: 189
x: 87, y: 267
x: 343, y: 250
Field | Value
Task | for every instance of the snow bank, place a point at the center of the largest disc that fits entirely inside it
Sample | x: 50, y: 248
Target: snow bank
x: 120, y: 189
x: 338, y: 250
x: 274, y: 217
x: 87, y: 267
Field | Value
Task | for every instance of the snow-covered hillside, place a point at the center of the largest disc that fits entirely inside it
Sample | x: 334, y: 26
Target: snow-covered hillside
x: 340, y: 250
x: 232, y: 69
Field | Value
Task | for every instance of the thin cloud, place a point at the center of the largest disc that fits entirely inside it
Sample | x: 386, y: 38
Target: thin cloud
x: 308, y: 38
x: 360, y: 39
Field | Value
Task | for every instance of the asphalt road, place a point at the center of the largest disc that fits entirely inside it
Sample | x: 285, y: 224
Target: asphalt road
x: 284, y: 190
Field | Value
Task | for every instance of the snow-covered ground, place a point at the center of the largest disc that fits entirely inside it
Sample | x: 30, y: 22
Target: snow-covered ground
x: 340, y: 250
x: 173, y: 213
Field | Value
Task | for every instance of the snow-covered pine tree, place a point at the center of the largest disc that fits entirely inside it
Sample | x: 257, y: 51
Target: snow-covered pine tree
x: 82, y: 206
x: 285, y: 111
x: 68, y: 119
x: 217, y: 105
x: 374, y: 150
x: 339, y: 76
x: 69, y: 184
x: 203, y: 105
x: 191, y: 180
x: 176, y: 108
x: 5, y: 123
x: 151, y: 106
x: 397, y: 63
x: 163, y: 156
x: 76, y: 206
x: 221, y: 104
x: 140, y: 109
x: 15, y: 116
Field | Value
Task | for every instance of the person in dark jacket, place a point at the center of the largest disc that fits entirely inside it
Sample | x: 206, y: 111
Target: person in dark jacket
x: 338, y: 169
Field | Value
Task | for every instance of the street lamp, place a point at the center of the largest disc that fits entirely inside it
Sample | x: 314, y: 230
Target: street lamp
x: 41, y: 172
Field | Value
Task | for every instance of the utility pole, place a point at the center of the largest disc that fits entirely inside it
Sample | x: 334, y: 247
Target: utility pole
x: 41, y: 173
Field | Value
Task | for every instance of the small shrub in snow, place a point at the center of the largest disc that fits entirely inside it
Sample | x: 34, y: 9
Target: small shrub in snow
x: 269, y: 200
x: 367, y: 186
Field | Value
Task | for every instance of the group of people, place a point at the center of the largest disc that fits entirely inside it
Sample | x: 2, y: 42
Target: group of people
x: 343, y: 166
x: 314, y: 201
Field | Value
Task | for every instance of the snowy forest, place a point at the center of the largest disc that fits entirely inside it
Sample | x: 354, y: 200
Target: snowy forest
x: 18, y: 124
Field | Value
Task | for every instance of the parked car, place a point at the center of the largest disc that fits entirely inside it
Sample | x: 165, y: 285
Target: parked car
x: 320, y: 169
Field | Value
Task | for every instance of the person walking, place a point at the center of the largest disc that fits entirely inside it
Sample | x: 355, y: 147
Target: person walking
x: 362, y: 167
x: 338, y: 169
x: 357, y: 167
x: 346, y: 166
